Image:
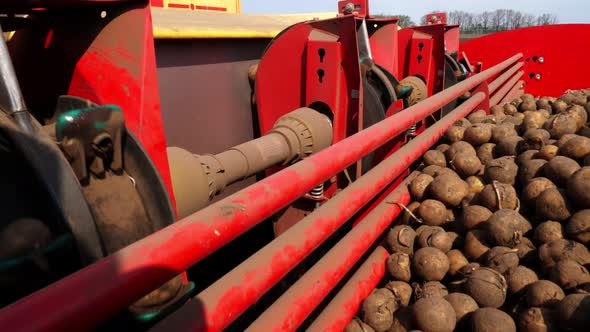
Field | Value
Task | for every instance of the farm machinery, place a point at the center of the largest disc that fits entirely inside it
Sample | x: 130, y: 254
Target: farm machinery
x: 178, y: 183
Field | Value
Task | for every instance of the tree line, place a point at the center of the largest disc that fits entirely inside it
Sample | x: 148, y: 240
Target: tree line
x: 497, y: 20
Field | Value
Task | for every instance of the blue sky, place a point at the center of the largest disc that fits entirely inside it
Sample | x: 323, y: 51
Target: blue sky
x: 568, y: 11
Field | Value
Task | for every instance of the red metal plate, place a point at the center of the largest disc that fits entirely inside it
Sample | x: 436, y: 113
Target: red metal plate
x: 563, y: 48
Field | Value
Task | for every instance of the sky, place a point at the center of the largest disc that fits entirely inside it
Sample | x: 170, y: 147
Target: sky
x: 567, y: 11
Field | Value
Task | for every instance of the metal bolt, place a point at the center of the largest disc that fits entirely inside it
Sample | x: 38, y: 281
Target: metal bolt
x: 538, y: 77
x: 349, y: 8
x: 541, y: 59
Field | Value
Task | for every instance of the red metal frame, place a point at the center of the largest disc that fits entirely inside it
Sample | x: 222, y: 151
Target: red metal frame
x: 135, y: 270
x: 361, y: 7
x: 559, y: 63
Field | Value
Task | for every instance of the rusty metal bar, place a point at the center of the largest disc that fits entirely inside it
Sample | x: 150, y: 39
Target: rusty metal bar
x: 143, y: 266
x: 495, y: 84
x: 295, y: 305
x: 504, y: 89
x: 512, y: 94
x: 339, y: 312
x: 231, y: 295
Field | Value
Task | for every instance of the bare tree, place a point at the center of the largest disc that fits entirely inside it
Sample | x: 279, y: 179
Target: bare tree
x: 405, y: 21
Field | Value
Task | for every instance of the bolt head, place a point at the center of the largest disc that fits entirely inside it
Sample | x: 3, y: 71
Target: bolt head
x: 541, y: 59
x: 538, y: 77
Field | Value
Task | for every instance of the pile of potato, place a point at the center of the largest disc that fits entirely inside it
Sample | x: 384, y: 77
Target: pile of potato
x: 496, y: 237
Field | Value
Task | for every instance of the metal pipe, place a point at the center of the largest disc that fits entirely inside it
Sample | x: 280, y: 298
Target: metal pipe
x: 11, y: 97
x: 339, y: 312
x: 197, y: 179
x: 512, y: 94
x: 495, y: 84
x: 504, y: 89
x: 145, y: 265
x: 295, y: 305
x: 231, y: 295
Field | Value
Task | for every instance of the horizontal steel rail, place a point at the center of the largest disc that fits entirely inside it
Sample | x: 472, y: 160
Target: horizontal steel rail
x: 495, y: 99
x: 103, y: 289
x: 295, y: 305
x: 495, y: 84
x: 339, y: 312
x: 516, y: 91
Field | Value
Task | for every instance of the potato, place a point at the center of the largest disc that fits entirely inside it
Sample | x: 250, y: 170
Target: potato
x: 573, y: 312
x: 506, y: 227
x: 578, y: 187
x: 491, y: 320
x: 510, y: 109
x: 514, y: 120
x: 552, y: 204
x: 533, y: 189
x: 456, y: 261
x: 578, y: 227
x: 561, y: 124
x: 475, y: 184
x: 430, y: 264
x: 533, y: 120
x: 533, y: 139
x: 466, y: 164
x: 528, y: 105
x: 477, y: 116
x: 435, y: 237
x: 419, y: 186
x: 501, y: 259
x: 538, y: 319
x: 449, y: 189
x: 407, y: 218
x: 503, y: 170
x: 578, y: 113
x: 506, y: 193
x: 378, y: 308
x: 520, y: 278
x: 485, y: 152
x: 431, y: 170
x: 526, y: 155
x: 559, y: 106
x: 508, y: 146
x: 555, y: 251
x: 402, y: 291
x: 432, y: 212
x: 459, y: 147
x: 446, y: 171
x: 548, y: 231
x: 519, y: 116
x: 547, y: 152
x: 576, y: 148
x: 357, y: 325
x: 531, y: 169
x: 487, y: 287
x: 443, y: 148
x: 455, y: 134
x: 544, y: 293
x: 574, y: 97
x: 399, y: 266
x: 541, y: 134
x: 478, y: 134
x: 476, y: 243
x: 430, y: 289
x: 463, y: 304
x: 543, y: 104
x: 434, y: 157
x: 569, y: 275
x: 434, y: 314
x: 502, y: 131
x: 559, y: 169
x: 401, y: 239
x: 474, y: 215
x: 498, y: 113
x: 403, y: 320
x: 527, y: 252
x: 564, y: 139
x: 462, y: 123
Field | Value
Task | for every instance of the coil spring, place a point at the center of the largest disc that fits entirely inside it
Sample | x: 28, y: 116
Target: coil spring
x: 317, y: 192
x: 412, y: 130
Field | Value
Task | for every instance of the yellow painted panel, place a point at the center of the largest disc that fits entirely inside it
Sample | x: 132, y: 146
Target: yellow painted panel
x: 183, y: 24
